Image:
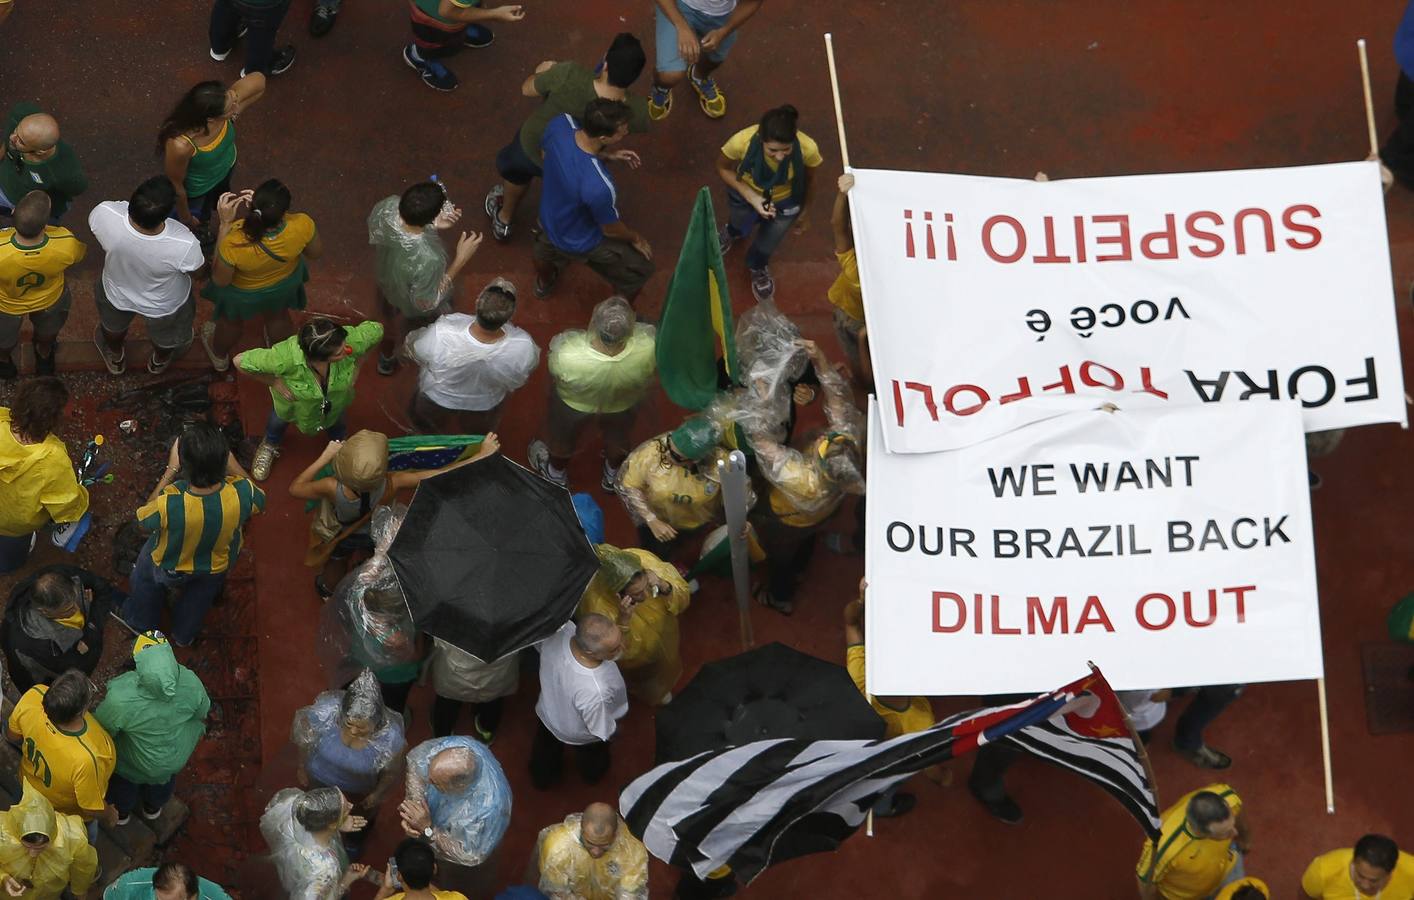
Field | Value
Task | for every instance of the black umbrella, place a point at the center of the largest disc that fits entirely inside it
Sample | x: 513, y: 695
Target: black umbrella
x: 491, y: 557
x: 765, y: 693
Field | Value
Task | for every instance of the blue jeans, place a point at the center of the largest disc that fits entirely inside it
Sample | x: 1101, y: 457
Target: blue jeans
x: 741, y: 219
x: 262, y: 22
x: 275, y: 429
x: 125, y: 795
x: 14, y: 551
x: 194, y: 594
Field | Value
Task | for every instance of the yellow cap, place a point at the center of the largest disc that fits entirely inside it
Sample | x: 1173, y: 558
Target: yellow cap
x: 148, y: 639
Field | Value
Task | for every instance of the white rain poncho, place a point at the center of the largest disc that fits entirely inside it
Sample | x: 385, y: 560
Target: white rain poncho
x: 318, y: 732
x: 472, y: 809
x: 308, y: 870
x: 367, y: 624
x: 410, y: 264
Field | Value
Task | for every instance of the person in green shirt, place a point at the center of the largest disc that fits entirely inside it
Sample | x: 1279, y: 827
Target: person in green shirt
x: 566, y: 88
x: 442, y: 27
x: 36, y: 159
x: 170, y: 881
x: 311, y: 378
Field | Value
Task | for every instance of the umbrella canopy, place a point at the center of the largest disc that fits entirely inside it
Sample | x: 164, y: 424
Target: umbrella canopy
x: 769, y: 692
x: 492, y: 558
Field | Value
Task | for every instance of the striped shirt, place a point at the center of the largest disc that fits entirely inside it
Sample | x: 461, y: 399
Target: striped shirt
x: 199, y: 532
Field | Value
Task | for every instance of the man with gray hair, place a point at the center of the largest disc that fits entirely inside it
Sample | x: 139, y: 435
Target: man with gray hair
x: 470, y: 364
x: 36, y: 159
x: 1201, y: 842
x: 459, y: 801
x: 599, y: 375
x: 582, y: 697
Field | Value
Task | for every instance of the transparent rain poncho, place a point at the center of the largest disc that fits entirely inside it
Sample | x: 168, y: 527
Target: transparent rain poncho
x: 308, y: 869
x: 367, y: 624
x: 472, y: 807
x: 321, y: 723
x: 410, y: 264
x: 771, y: 358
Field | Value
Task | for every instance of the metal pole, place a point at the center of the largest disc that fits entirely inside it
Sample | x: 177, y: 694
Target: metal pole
x: 732, y: 472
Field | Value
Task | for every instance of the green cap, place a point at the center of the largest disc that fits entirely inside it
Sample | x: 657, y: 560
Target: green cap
x: 1401, y: 620
x: 696, y: 437
x: 616, y: 567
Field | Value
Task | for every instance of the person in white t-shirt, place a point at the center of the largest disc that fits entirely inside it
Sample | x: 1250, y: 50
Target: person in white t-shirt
x: 1146, y: 709
x: 470, y: 364
x: 146, y: 272
x: 582, y: 697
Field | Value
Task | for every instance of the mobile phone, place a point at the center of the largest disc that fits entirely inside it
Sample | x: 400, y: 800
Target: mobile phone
x: 393, y: 873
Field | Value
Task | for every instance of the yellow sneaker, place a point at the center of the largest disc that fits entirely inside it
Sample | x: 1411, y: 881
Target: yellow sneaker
x: 660, y: 103
x: 709, y: 96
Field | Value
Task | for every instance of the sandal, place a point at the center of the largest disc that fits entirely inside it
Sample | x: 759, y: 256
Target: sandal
x: 764, y: 597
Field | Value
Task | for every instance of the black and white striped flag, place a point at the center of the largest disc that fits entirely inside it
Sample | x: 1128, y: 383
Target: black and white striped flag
x: 761, y: 803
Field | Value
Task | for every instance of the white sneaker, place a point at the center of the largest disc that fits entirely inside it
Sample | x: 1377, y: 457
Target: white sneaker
x: 264, y: 460
x: 538, y: 454
x: 219, y: 363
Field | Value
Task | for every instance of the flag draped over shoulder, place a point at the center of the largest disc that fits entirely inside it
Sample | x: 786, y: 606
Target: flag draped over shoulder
x: 695, y: 332
x: 419, y: 451
x: 761, y: 803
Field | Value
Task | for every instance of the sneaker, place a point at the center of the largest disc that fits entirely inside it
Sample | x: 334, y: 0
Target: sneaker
x: 725, y: 239
x: 660, y: 103
x: 8, y: 369
x: 667, y: 698
x: 482, y: 734
x: 322, y: 21
x: 219, y: 363
x: 1003, y: 809
x: 387, y: 365
x: 150, y: 815
x: 495, y: 202
x: 900, y: 804
x: 609, y: 480
x: 543, y: 288
x: 712, y: 100
x: 123, y: 820
x: 763, y: 287
x: 434, y: 74
x: 264, y: 458
x: 280, y: 62
x: 116, y: 364
x: 1205, y: 757
x: 478, y: 36
x: 44, y: 365
x: 157, y: 368
x: 538, y: 454
x: 219, y: 57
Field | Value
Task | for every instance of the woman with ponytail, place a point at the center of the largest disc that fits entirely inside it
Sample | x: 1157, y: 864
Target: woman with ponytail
x: 258, y: 270
x: 767, y: 171
x: 197, y: 143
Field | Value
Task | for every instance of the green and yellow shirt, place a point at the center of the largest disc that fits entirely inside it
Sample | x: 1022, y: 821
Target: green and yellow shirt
x: 199, y: 532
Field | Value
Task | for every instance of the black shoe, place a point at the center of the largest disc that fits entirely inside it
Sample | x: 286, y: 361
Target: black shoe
x: 322, y: 22
x: 1205, y: 757
x: 280, y: 61
x: 44, y: 365
x: 1004, y: 809
x: 478, y: 36
x: 902, y: 803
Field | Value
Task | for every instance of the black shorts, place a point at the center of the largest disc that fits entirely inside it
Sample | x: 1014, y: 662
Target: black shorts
x: 514, y: 165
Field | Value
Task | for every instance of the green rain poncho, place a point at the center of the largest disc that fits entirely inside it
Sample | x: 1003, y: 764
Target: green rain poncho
x: 67, y: 862
x: 155, y: 714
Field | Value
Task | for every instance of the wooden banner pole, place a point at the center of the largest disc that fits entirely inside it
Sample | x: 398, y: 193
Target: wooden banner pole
x: 835, y: 89
x: 1326, y: 744
x: 1365, y: 81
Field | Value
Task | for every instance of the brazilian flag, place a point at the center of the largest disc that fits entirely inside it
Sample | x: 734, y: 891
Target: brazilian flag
x: 695, y: 332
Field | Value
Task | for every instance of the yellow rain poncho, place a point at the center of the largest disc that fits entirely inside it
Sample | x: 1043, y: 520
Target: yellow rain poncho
x: 68, y: 860
x: 651, y: 663
x: 567, y: 869
x: 37, y: 483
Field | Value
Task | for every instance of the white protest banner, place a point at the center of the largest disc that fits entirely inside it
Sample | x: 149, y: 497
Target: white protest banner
x: 994, y: 302
x: 1170, y: 546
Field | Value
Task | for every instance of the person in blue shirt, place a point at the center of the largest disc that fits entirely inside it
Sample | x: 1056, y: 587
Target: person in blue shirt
x: 172, y: 881
x: 459, y: 800
x: 1398, y: 152
x: 579, y: 204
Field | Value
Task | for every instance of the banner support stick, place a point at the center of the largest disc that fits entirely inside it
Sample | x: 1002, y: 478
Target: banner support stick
x: 835, y: 90
x: 1369, y: 102
x: 732, y: 472
x: 1326, y: 743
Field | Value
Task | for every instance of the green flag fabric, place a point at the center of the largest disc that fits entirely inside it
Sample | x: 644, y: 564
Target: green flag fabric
x: 695, y: 331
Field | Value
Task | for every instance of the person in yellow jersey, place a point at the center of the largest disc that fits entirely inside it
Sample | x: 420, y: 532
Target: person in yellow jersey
x: 44, y: 855
x: 37, y: 480
x: 669, y: 484
x: 1245, y: 889
x: 644, y: 596
x: 66, y: 754
x: 1374, y: 869
x: 807, y: 485
x: 846, y: 294
x: 901, y: 715
x: 1199, y: 851
x: 412, y: 874
x: 591, y: 856
x: 34, y: 256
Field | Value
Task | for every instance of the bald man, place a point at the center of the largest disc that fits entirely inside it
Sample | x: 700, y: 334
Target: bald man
x: 593, y: 856
x: 582, y: 698
x: 458, y: 800
x: 36, y: 159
